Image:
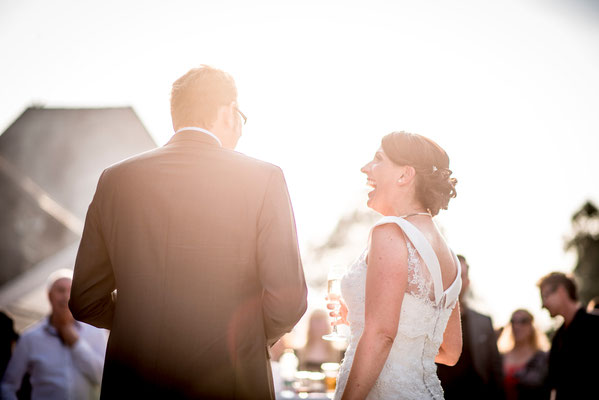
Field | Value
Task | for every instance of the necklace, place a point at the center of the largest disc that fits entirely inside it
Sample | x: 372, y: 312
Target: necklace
x: 418, y: 213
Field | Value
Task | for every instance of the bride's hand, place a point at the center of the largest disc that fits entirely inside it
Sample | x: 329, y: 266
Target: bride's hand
x: 339, y: 317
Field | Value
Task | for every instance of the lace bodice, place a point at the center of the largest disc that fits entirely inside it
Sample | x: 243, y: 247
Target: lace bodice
x: 409, y: 371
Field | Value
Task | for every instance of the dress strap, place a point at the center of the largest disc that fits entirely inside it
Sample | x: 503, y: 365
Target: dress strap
x: 453, y: 292
x: 425, y: 250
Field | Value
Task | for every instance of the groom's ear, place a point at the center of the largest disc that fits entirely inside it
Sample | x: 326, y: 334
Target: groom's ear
x: 226, y: 114
x: 222, y: 118
x: 226, y: 126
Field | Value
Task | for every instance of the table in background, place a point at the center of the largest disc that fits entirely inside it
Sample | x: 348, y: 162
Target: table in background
x: 290, y: 395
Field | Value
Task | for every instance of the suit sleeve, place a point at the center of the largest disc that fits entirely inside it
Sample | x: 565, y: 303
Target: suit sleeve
x: 284, y: 299
x: 93, y: 279
x: 496, y: 368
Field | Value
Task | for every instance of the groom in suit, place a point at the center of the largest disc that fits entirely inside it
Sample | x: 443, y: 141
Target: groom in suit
x: 189, y: 256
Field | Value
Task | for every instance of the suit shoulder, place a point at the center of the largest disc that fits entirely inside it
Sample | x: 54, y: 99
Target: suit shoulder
x: 120, y: 168
x: 252, y: 162
x: 480, y: 317
x: 592, y: 319
x: 133, y: 160
x: 253, y: 169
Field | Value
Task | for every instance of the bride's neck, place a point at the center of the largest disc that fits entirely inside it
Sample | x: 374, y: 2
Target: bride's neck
x: 408, y: 208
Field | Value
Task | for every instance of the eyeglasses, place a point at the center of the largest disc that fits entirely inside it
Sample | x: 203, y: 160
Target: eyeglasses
x: 245, y: 119
x: 548, y: 291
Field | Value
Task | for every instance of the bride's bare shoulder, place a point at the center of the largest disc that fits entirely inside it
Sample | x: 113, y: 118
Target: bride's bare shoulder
x: 388, y: 232
x: 388, y: 242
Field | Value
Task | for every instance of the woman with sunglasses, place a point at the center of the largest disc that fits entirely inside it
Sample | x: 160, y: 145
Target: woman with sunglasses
x: 525, y: 365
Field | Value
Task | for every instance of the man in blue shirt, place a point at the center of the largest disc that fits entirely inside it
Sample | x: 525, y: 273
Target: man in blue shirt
x: 63, y: 357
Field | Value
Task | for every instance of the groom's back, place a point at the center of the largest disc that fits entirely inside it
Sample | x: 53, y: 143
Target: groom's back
x: 181, y: 225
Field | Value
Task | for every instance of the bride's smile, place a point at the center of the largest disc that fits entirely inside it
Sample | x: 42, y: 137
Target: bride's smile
x: 372, y: 184
x: 382, y: 176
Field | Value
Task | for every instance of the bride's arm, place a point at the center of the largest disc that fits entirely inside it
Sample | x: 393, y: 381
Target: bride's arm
x: 386, y: 283
x: 451, y: 348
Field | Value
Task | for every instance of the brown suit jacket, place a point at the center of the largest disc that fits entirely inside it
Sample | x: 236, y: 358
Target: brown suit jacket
x: 200, y: 243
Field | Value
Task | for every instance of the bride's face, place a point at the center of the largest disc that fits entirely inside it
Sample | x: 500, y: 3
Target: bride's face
x: 382, y: 175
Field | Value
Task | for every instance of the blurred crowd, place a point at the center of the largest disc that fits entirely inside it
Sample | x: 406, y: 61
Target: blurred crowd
x: 62, y: 358
x: 517, y: 361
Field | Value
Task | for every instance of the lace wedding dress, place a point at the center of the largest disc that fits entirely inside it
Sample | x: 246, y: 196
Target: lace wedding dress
x: 410, y: 371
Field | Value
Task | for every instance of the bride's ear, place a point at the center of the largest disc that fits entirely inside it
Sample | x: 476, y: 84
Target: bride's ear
x: 407, y: 175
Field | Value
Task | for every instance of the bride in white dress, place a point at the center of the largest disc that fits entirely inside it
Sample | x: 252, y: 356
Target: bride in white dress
x: 400, y: 296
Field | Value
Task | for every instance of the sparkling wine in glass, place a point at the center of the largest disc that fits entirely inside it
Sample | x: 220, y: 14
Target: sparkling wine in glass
x: 334, y: 288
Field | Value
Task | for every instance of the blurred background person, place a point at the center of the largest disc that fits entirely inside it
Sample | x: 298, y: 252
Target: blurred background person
x: 317, y: 350
x: 574, y: 354
x: 275, y: 352
x: 478, y: 373
x: 64, y: 358
x: 525, y: 359
x: 593, y: 306
x: 8, y: 339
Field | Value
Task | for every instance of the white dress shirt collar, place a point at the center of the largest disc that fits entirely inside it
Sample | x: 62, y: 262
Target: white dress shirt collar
x: 207, y: 132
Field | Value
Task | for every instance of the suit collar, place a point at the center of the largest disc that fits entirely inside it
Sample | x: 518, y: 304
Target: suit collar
x: 193, y: 136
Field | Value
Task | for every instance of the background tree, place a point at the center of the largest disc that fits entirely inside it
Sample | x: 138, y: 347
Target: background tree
x: 342, y: 246
x: 585, y: 240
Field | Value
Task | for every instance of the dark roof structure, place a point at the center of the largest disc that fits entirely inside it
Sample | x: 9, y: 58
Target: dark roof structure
x: 50, y: 162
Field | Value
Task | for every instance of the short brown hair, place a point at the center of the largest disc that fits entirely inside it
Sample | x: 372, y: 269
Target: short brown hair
x: 555, y: 279
x: 197, y: 95
x: 434, y: 186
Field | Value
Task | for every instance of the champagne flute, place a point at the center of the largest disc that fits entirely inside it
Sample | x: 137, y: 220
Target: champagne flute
x: 334, y: 288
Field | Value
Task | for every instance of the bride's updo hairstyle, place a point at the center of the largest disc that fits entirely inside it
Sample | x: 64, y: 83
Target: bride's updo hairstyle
x: 434, y: 185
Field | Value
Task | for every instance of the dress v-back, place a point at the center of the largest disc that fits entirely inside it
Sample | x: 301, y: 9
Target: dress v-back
x: 410, y: 371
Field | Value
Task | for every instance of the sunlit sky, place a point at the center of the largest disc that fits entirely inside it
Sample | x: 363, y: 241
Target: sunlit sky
x: 509, y: 88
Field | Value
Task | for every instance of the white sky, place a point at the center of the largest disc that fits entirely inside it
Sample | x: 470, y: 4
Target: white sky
x: 510, y: 89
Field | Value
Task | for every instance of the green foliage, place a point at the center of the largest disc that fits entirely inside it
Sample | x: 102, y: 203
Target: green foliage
x: 585, y: 241
x: 342, y: 246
